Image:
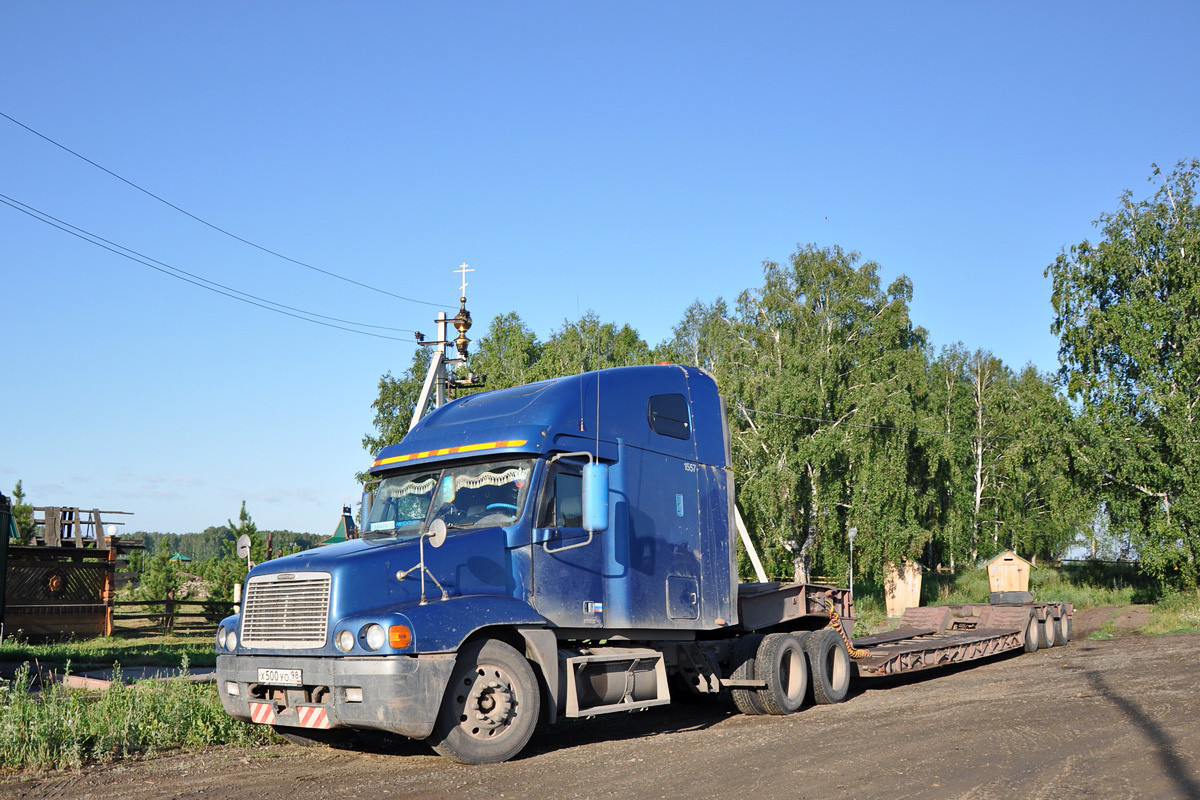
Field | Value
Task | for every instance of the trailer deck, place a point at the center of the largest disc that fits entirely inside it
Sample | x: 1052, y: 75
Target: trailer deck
x: 936, y: 636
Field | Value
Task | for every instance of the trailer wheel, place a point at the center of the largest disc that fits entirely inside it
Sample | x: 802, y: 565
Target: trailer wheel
x: 1031, y: 634
x: 491, y: 705
x: 745, y: 651
x: 781, y: 663
x: 1046, y: 633
x: 1062, y: 629
x: 830, y: 663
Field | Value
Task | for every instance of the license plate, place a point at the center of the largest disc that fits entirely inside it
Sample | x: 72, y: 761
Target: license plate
x: 280, y: 677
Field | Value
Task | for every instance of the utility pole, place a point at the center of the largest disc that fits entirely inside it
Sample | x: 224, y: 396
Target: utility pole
x: 437, y: 380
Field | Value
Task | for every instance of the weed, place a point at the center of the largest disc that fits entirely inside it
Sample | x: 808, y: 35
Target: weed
x: 1177, y: 613
x: 56, y: 727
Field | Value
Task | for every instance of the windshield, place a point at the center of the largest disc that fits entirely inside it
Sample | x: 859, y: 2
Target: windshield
x: 463, y: 495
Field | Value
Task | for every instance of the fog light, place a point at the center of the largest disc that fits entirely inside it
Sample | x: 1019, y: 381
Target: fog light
x: 231, y: 689
x: 354, y: 694
x: 399, y: 636
x: 345, y: 641
x: 375, y: 637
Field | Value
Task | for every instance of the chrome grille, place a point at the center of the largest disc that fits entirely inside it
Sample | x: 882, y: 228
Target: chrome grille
x: 289, y: 611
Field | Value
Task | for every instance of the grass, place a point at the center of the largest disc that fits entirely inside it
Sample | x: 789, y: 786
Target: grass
x: 1176, y: 613
x: 105, y: 651
x: 1085, y: 585
x: 56, y: 727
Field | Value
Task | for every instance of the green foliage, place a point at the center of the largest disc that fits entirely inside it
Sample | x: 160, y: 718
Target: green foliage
x: 22, y: 513
x: 221, y: 574
x: 160, y: 581
x: 103, y: 651
x: 395, y: 403
x: 1128, y: 314
x: 53, y: 727
x: 1179, y: 612
x: 841, y: 416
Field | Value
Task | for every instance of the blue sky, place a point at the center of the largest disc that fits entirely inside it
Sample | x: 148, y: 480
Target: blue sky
x: 626, y: 158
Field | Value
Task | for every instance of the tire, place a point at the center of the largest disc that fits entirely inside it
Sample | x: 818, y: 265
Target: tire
x: 1032, y: 634
x: 1046, y: 632
x: 781, y: 662
x: 829, y: 665
x: 1062, y: 629
x: 745, y: 652
x: 491, y: 706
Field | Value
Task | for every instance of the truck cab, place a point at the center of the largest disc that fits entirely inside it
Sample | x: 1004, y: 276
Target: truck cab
x: 543, y: 551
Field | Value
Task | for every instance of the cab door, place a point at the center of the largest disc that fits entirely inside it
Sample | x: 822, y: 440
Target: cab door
x: 567, y: 560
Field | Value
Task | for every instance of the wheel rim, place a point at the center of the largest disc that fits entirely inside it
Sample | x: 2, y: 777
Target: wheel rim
x: 487, y: 703
x: 837, y: 666
x: 792, y: 675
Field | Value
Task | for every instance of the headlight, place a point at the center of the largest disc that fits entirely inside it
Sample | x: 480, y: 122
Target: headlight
x: 221, y: 638
x: 375, y: 637
x: 345, y: 641
x: 231, y: 640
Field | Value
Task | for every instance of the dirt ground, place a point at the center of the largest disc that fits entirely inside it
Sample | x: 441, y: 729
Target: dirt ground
x: 1100, y: 718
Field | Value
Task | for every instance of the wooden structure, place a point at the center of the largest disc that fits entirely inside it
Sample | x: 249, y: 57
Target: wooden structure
x: 902, y: 587
x: 1008, y: 572
x: 73, y: 527
x: 65, y: 583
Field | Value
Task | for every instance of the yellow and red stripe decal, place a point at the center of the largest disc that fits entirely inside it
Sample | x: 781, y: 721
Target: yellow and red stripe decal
x: 449, y: 451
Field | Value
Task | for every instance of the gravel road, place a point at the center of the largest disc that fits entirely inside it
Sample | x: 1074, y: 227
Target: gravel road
x: 1112, y: 718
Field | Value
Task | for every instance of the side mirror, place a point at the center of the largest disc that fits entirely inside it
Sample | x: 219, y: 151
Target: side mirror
x: 368, y: 499
x: 595, y: 497
x: 243, y: 546
x: 437, y: 533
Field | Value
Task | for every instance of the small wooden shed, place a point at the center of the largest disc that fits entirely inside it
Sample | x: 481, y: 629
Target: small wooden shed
x: 1008, y: 572
x: 902, y: 587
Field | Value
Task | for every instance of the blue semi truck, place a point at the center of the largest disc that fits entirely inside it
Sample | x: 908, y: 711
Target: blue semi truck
x: 557, y: 550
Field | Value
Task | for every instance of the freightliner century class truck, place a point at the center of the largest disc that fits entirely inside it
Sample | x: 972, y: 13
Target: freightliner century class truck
x: 562, y: 549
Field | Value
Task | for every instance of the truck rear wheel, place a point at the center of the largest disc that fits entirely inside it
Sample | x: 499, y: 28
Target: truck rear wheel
x: 830, y: 663
x: 745, y: 652
x: 780, y: 662
x: 491, y: 705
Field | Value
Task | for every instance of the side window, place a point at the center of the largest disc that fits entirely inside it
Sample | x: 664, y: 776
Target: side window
x: 562, y: 503
x: 669, y: 416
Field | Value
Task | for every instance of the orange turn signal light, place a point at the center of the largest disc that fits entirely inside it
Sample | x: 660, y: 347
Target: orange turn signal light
x: 399, y: 636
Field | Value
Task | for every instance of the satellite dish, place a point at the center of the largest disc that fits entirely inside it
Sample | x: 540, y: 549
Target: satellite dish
x: 437, y: 532
x: 243, y: 546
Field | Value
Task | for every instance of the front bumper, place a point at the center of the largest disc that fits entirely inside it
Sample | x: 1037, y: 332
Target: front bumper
x: 400, y: 694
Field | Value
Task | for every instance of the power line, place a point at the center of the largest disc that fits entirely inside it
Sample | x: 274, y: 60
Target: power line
x: 196, y: 280
x: 217, y: 227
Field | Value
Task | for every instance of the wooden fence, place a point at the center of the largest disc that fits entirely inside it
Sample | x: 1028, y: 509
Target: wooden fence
x: 169, y: 616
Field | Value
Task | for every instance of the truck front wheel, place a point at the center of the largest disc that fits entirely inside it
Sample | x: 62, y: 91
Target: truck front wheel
x: 491, y: 705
